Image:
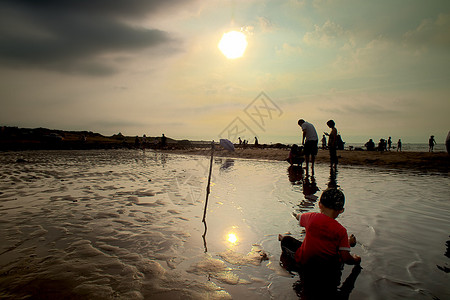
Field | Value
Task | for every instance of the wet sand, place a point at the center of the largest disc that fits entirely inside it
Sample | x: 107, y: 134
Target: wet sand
x: 417, y: 161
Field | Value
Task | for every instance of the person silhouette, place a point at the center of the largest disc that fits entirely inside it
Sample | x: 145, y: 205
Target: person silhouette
x: 136, y: 142
x: 332, y: 144
x: 163, y: 141
x: 431, y: 143
x: 382, y: 145
x: 144, y: 142
x: 320, y: 257
x: 447, y: 142
x: 295, y: 155
x: 370, y: 145
x: 309, y: 141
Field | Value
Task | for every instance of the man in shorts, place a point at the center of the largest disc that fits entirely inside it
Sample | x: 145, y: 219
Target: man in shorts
x: 309, y: 142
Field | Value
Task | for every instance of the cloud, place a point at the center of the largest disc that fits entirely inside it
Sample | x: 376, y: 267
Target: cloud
x: 289, y: 49
x: 324, y: 36
x: 266, y: 24
x: 375, y: 56
x: 78, y: 36
x: 297, y: 3
x: 430, y: 33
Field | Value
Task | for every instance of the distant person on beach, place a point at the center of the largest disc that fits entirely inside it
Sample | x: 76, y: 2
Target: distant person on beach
x: 163, y: 141
x: 240, y: 141
x: 382, y: 145
x: 332, y: 144
x: 370, y: 145
x: 324, y: 142
x: 431, y: 143
x: 447, y: 142
x: 389, y: 143
x: 399, y: 145
x: 144, y: 141
x: 326, y: 246
x: 309, y: 141
x: 256, y: 141
x: 339, y: 142
x: 136, y: 142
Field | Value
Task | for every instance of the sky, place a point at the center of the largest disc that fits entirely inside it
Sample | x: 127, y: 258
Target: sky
x: 377, y: 68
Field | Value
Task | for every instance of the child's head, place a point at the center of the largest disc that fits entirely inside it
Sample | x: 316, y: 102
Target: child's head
x: 331, y: 123
x: 333, y: 198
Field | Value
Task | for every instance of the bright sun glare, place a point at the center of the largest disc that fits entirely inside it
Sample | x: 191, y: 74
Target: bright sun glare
x: 233, y: 44
x: 232, y: 238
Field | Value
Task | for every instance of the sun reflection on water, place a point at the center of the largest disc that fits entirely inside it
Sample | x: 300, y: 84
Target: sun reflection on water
x: 232, y: 238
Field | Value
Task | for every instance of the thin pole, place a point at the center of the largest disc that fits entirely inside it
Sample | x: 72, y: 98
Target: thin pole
x: 207, y: 195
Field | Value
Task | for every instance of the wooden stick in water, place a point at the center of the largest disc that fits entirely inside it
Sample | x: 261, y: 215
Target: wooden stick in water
x: 207, y: 195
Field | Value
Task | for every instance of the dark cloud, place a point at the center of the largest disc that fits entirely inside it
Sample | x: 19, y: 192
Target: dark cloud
x: 76, y: 36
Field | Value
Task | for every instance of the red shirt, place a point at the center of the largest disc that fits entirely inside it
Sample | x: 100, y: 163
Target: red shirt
x: 324, y: 238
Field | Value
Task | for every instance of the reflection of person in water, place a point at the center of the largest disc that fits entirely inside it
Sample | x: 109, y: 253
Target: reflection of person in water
x: 295, y: 174
x: 333, y: 181
x: 320, y: 257
x: 228, y: 163
x: 342, y: 293
x: 310, y: 187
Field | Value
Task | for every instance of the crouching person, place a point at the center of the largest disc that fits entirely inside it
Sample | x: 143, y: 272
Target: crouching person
x: 320, y: 257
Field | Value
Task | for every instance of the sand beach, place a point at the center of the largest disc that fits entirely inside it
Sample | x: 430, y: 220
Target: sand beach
x: 417, y: 161
x: 22, y: 139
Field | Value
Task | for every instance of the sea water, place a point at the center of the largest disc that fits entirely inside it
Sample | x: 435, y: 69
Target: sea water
x: 127, y: 224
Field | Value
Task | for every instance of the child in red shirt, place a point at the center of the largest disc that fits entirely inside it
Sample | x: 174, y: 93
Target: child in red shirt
x: 320, y: 257
x: 326, y: 241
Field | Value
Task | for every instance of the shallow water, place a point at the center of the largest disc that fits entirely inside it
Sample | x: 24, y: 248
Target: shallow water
x: 127, y: 224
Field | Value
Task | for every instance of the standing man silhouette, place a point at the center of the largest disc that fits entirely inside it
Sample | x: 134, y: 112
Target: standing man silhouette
x: 309, y: 142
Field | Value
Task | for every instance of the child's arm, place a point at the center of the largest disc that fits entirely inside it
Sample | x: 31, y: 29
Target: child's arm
x: 350, y: 259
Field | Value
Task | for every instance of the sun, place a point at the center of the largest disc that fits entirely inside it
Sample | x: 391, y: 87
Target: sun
x: 233, y: 44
